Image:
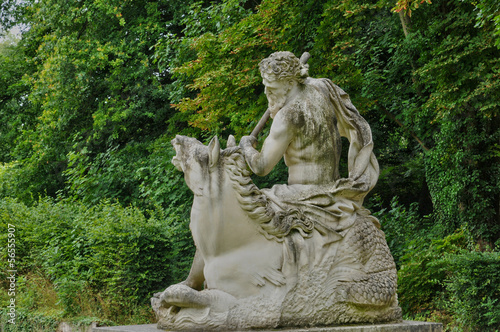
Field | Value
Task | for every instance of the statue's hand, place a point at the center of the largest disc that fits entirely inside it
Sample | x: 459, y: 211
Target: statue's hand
x: 344, y: 183
x: 248, y: 141
x: 194, y: 284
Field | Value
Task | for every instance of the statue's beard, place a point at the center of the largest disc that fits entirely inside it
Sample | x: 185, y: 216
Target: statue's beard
x: 275, y: 102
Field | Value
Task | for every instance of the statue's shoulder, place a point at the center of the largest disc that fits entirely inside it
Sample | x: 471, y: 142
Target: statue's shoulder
x: 302, y: 108
x: 327, y: 88
x: 323, y: 85
x: 315, y: 87
x: 290, y: 116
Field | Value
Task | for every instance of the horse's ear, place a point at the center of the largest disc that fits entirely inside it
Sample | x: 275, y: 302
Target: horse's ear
x: 213, y: 151
x: 231, y: 142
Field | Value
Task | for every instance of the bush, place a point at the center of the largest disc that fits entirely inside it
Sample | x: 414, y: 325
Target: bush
x: 27, y: 321
x: 474, y: 290
x: 104, y: 260
x: 443, y: 280
x: 424, y: 269
x: 14, y: 182
x: 140, y: 174
x: 399, y: 223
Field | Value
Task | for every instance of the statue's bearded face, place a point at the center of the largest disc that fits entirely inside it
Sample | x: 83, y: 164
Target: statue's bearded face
x: 276, y: 92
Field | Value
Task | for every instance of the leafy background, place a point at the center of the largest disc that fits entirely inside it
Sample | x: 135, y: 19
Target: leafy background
x: 92, y: 92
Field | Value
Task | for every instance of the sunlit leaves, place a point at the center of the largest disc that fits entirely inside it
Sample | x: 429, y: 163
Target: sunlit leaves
x: 489, y: 13
x: 225, y: 72
x: 94, y: 83
x: 407, y: 6
x: 441, y: 69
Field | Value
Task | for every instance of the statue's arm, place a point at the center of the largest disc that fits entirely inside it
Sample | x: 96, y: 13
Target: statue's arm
x: 196, y: 278
x: 273, y: 149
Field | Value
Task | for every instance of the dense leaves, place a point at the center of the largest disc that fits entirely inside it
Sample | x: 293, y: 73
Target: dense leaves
x: 94, y: 90
x: 107, y: 257
x: 429, y: 84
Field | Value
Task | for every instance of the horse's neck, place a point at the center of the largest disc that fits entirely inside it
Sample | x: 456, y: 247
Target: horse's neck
x: 218, y: 222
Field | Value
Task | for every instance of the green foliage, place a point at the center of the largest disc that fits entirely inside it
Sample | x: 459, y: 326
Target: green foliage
x: 28, y: 322
x: 161, y: 183
x: 400, y: 225
x: 444, y: 280
x: 106, y: 251
x: 152, y: 180
x: 89, y: 86
x: 489, y: 13
x: 13, y: 96
x: 227, y: 73
x: 454, y: 70
x: 464, y: 181
x: 474, y: 288
x: 424, y: 270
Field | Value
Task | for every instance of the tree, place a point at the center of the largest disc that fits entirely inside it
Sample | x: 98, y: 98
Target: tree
x: 13, y: 98
x: 96, y: 99
x: 489, y: 13
x: 426, y: 88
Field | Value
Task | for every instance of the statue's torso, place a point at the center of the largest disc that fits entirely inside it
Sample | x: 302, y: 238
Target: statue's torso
x: 313, y: 154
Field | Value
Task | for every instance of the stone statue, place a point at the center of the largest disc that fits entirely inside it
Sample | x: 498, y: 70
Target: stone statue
x: 302, y: 254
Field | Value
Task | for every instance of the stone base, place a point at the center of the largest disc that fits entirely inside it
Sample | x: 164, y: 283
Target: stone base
x: 405, y: 326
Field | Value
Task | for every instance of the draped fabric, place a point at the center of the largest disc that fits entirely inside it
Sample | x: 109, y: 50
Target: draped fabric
x: 363, y: 166
x: 333, y: 207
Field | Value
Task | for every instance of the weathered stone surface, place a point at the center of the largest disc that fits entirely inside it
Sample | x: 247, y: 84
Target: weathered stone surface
x: 128, y: 328
x: 406, y: 326
x: 302, y: 254
x: 68, y: 327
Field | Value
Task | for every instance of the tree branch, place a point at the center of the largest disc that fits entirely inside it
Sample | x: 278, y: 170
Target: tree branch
x: 412, y: 133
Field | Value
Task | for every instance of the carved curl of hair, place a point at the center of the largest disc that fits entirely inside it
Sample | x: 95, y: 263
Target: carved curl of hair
x: 284, y: 65
x: 274, y: 225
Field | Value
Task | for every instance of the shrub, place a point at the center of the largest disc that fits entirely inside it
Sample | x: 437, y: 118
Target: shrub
x: 27, y: 321
x: 442, y: 279
x: 424, y: 269
x: 399, y: 223
x: 105, y: 259
x: 474, y: 290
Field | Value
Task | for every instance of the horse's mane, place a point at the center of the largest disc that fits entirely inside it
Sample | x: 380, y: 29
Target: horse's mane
x: 273, y: 224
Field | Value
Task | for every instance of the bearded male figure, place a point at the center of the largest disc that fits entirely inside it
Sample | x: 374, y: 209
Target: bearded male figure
x: 304, y: 129
x: 309, y: 116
